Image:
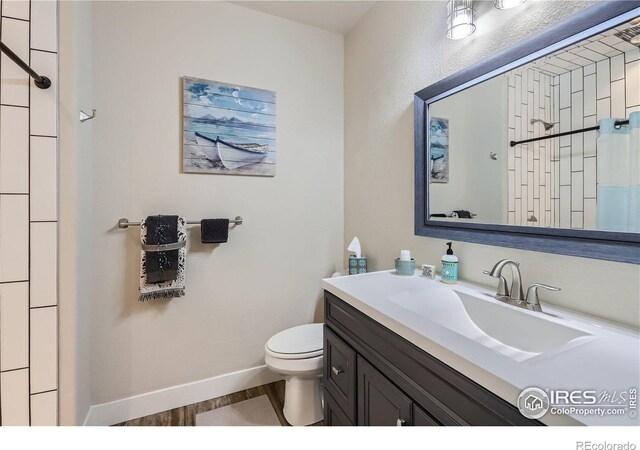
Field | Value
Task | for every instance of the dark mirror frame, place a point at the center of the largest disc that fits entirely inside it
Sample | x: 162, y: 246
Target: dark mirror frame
x: 614, y: 246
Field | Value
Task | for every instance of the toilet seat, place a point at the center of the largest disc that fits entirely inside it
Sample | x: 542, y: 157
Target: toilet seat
x: 301, y: 342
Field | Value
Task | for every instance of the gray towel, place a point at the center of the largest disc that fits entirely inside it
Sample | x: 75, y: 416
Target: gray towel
x: 167, y: 285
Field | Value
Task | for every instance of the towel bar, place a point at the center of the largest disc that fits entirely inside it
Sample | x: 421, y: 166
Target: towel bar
x: 124, y: 223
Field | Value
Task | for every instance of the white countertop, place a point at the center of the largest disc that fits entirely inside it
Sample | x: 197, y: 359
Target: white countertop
x: 610, y: 361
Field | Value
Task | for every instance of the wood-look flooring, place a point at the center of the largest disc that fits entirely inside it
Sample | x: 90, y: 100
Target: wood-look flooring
x: 185, y: 416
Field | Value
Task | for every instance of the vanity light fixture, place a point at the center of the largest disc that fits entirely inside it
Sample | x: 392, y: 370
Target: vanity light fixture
x: 507, y: 4
x: 460, y: 19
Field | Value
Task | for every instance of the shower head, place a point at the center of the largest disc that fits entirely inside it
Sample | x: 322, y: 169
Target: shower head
x: 547, y: 125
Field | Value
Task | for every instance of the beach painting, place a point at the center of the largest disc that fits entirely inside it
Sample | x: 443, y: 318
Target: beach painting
x: 439, y: 150
x: 228, y: 129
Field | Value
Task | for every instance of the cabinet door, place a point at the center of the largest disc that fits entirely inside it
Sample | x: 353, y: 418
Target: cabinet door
x: 422, y: 419
x: 333, y: 415
x: 340, y: 373
x: 380, y: 403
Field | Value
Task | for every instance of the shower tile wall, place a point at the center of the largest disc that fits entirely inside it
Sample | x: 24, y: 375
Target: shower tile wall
x: 28, y: 217
x: 608, y: 88
x: 560, y: 184
x: 530, y: 168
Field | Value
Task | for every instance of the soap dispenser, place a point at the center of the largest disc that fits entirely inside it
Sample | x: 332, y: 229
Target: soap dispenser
x: 449, y: 270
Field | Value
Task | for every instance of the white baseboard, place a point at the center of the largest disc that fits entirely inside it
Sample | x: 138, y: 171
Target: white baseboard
x: 177, y: 396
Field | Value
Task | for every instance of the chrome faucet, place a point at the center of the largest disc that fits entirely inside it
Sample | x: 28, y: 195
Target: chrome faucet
x: 515, y: 294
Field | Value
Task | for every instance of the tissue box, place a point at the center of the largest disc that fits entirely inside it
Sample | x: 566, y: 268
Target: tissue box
x: 357, y: 265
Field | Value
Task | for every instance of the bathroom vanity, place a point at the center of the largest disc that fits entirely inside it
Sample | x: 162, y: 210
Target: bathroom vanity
x: 404, y: 351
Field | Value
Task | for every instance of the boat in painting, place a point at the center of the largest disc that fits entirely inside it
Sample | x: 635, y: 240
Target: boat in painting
x: 232, y: 155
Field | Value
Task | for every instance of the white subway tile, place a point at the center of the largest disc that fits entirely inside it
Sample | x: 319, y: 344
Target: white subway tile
x: 565, y: 206
x: 589, y: 213
x: 14, y: 398
x: 14, y: 237
x: 633, y: 109
x: 577, y: 152
x: 565, y: 165
x: 44, y: 409
x: 589, y: 69
x: 518, y: 212
x: 632, y: 55
x: 44, y: 349
x: 14, y: 89
x: 518, y: 178
x: 618, y: 99
x: 633, y: 86
x: 511, y: 114
x: 511, y: 218
x: 603, y: 107
x: 44, y: 25
x: 590, y: 95
x: 14, y: 150
x: 14, y: 325
x: 44, y: 181
x: 577, y: 220
x: 43, y: 264
x: 577, y: 195
x: 565, y: 90
x: 576, y: 80
x: 577, y: 113
x: 535, y: 178
x: 603, y: 79
x: 524, y: 206
x: 43, y: 101
x: 16, y: 8
x: 617, y: 67
x: 511, y: 177
x: 530, y: 191
x: 590, y: 184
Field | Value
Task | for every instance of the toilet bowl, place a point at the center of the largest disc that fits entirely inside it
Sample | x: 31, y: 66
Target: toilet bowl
x: 296, y: 355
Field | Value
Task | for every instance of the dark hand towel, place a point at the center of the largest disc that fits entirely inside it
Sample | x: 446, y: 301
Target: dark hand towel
x: 162, y: 266
x: 463, y: 214
x: 214, y: 231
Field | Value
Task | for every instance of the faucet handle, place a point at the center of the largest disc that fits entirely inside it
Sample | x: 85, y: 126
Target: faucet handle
x: 532, y: 292
x: 503, y: 290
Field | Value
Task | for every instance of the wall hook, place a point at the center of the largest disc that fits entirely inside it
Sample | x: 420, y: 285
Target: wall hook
x: 493, y: 156
x: 84, y: 116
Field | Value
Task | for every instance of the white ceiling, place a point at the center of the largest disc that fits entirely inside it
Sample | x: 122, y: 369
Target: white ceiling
x: 334, y: 16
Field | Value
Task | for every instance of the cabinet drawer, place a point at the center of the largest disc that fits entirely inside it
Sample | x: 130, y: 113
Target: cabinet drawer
x: 333, y: 415
x: 340, y: 373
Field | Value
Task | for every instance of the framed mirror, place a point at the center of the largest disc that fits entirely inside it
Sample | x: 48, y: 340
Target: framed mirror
x: 539, y: 147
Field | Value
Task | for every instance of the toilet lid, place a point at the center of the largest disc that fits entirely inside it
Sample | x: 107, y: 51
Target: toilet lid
x: 304, y: 341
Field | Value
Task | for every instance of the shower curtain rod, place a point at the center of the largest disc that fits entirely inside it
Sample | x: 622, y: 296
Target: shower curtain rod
x: 40, y: 81
x: 618, y: 123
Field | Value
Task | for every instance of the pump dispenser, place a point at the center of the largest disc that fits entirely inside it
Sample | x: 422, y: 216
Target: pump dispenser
x: 449, y: 269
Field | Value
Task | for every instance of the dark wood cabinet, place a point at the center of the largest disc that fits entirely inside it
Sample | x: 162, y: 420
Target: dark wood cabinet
x: 380, y: 402
x: 372, y: 376
x: 333, y: 415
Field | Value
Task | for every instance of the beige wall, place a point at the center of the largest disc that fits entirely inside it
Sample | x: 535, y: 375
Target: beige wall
x: 75, y: 212
x: 397, y: 49
x: 267, y: 277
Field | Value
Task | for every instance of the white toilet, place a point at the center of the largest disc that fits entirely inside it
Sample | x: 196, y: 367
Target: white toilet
x: 296, y: 355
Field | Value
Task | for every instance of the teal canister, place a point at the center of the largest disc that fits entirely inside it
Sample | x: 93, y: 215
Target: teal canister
x: 449, y: 269
x: 357, y: 265
x: 405, y: 267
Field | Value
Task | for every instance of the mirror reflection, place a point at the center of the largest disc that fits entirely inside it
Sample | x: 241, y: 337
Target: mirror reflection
x: 554, y: 143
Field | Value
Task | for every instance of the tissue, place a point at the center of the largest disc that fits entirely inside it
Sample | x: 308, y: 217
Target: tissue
x: 355, y: 247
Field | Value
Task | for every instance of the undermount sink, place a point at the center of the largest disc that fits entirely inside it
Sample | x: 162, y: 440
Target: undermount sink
x: 508, y: 330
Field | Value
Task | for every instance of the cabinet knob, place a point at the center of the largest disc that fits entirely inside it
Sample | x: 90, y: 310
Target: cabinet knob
x: 401, y: 422
x: 336, y: 370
